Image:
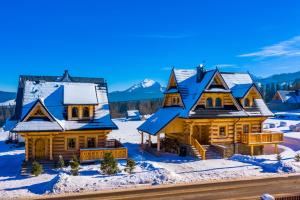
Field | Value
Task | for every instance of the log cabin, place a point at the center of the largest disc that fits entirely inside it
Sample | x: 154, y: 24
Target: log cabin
x: 65, y: 115
x: 211, y: 112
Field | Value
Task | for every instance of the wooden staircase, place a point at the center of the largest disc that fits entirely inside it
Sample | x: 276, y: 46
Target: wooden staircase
x: 204, y: 152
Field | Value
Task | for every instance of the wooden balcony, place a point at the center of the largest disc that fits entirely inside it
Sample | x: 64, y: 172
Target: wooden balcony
x: 266, y: 137
x: 93, y: 154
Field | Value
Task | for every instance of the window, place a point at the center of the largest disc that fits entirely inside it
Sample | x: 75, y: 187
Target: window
x: 219, y: 103
x: 209, y: 102
x: 91, y: 142
x: 222, y: 131
x: 75, y: 112
x: 86, y: 112
x: 246, y: 102
x: 175, y: 101
x: 71, y: 143
x: 246, y: 128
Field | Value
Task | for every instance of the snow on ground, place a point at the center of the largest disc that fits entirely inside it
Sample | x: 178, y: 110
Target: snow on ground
x: 150, y: 170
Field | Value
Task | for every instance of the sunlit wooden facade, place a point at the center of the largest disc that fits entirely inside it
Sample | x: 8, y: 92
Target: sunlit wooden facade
x: 203, y: 108
x: 61, y: 116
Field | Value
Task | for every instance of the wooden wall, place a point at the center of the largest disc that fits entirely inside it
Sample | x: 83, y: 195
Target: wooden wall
x: 169, y: 97
x: 226, y: 98
x: 180, y: 128
x: 59, y: 142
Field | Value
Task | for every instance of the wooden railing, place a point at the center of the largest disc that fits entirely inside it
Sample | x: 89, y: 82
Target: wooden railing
x: 93, y: 154
x: 266, y: 137
x: 199, y: 147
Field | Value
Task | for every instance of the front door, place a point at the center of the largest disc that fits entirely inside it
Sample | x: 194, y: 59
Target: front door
x: 40, y: 149
x: 204, y: 132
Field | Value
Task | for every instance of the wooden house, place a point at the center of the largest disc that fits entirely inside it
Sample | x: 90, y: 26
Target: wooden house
x: 211, y: 111
x: 133, y: 115
x: 65, y: 115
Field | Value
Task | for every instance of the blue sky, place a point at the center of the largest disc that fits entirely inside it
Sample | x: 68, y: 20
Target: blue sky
x: 127, y: 41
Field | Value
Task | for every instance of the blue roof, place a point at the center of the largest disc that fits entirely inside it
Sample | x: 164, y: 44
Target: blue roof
x: 239, y: 91
x: 159, y: 120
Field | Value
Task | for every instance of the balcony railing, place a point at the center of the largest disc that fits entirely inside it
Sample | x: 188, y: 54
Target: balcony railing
x: 93, y: 154
x: 266, y: 137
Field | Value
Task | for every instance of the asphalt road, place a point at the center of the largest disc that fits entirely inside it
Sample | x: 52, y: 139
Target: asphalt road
x: 246, y: 189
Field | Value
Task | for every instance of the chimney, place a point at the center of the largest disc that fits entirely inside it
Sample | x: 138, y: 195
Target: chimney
x: 200, y: 72
x: 66, y: 77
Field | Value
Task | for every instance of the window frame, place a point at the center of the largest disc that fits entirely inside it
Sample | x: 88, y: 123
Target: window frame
x: 221, y: 101
x: 206, y: 104
x: 87, y: 141
x: 67, y: 143
x: 249, y: 128
x: 88, y: 112
x: 72, y: 109
x: 225, y: 131
x: 249, y: 103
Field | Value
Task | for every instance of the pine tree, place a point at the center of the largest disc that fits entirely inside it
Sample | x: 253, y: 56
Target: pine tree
x: 37, y: 168
x: 278, y: 157
x: 74, y: 166
x: 130, y: 166
x: 109, y: 165
x: 61, y: 162
x: 297, y: 157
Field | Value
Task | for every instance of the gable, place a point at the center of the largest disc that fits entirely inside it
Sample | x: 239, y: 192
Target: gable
x: 38, y: 112
x: 217, y: 82
x: 172, y: 81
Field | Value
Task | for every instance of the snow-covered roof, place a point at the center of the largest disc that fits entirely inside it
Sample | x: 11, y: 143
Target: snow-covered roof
x: 190, y: 90
x: 133, y: 113
x: 233, y: 79
x: 53, y: 93
x: 159, y: 120
x: 239, y: 91
x: 83, y: 93
x: 290, y: 96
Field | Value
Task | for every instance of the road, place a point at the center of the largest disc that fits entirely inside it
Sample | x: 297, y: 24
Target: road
x: 292, y: 143
x: 245, y: 189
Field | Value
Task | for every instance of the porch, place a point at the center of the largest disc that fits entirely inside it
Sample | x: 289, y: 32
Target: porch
x: 111, y: 146
x: 263, y: 138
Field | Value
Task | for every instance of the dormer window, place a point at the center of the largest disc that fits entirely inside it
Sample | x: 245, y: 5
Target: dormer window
x: 247, y: 102
x: 86, y: 112
x: 219, y: 103
x: 209, y: 102
x: 75, y: 113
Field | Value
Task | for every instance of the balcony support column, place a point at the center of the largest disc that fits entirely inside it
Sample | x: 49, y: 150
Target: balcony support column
x: 276, y: 149
x: 251, y: 150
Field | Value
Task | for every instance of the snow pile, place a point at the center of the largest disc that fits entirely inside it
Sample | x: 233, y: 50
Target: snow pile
x: 91, y: 178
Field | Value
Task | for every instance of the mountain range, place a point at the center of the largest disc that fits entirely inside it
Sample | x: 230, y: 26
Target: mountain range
x: 147, y: 89
x: 150, y: 89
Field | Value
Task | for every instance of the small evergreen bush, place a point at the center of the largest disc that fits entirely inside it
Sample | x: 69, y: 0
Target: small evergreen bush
x: 297, y: 157
x: 61, y: 163
x: 278, y: 157
x: 74, y: 163
x: 130, y: 166
x: 37, y: 168
x: 109, y: 165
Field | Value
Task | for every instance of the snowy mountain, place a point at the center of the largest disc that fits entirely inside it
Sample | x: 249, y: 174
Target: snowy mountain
x: 5, y: 97
x: 147, y: 89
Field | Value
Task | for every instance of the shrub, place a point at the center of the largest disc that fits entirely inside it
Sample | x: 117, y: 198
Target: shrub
x: 37, y: 168
x: 74, y: 163
x: 109, y: 165
x: 130, y: 166
x: 61, y: 163
x: 278, y: 157
x: 297, y: 157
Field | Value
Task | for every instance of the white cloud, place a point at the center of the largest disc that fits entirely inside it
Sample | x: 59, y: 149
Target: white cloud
x: 289, y: 47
